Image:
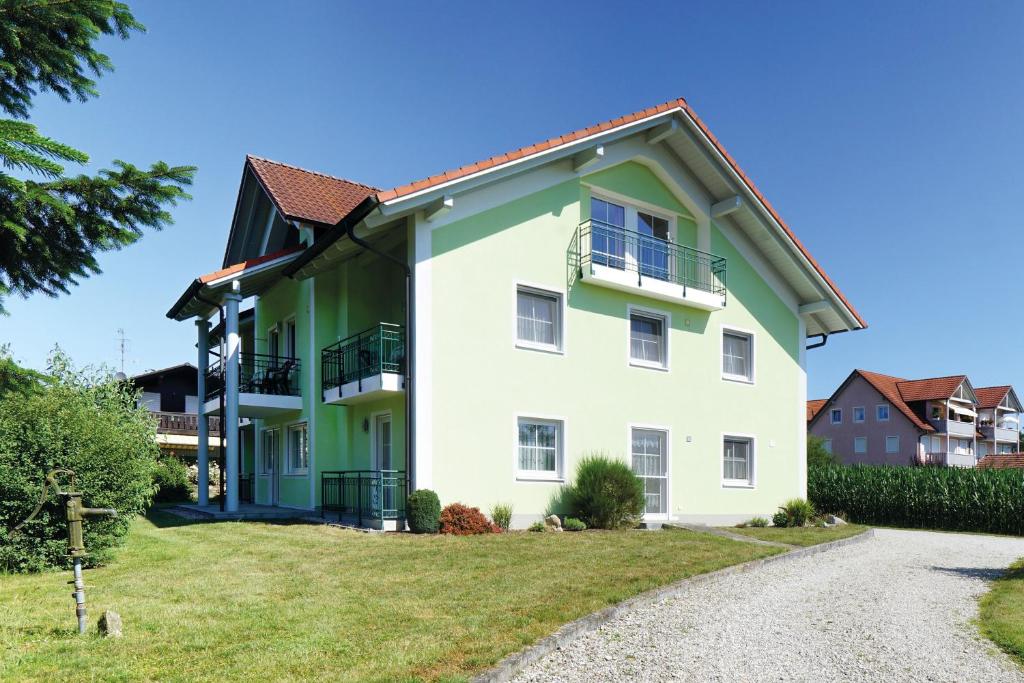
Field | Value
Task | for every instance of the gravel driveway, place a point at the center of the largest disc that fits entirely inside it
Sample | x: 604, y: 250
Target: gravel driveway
x: 895, y: 608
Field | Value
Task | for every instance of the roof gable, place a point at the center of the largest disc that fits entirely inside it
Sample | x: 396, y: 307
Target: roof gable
x: 307, y: 196
x: 814, y: 406
x: 935, y: 388
x: 990, y: 397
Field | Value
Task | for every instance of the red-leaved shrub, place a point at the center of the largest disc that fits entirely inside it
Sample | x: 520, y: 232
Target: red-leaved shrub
x: 461, y: 520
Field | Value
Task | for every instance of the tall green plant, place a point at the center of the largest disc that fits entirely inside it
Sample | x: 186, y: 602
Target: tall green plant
x: 81, y: 420
x: 606, y: 494
x: 949, y: 498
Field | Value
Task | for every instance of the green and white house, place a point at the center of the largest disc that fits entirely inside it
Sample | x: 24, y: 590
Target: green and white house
x: 622, y: 289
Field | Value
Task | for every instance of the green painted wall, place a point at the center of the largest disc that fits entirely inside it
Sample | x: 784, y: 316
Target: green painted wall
x: 481, y: 381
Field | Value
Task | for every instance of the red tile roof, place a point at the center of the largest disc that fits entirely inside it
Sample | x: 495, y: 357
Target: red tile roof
x: 889, y: 387
x: 927, y: 389
x: 813, y: 406
x: 307, y: 195
x: 1002, y: 461
x: 990, y: 397
x: 244, y: 265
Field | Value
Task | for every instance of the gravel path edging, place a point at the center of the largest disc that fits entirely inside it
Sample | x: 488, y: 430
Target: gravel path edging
x: 507, y: 668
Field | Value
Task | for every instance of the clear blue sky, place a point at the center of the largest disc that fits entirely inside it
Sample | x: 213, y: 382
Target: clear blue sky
x: 889, y: 135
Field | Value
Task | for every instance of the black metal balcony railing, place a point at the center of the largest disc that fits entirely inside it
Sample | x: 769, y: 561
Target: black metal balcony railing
x: 600, y: 243
x: 366, y: 495
x: 258, y: 373
x: 377, y: 350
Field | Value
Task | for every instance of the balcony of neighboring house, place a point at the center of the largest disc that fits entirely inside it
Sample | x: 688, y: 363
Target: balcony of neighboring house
x: 1005, y: 428
x: 953, y: 418
x: 267, y: 385
x: 365, y: 366
x: 611, y: 256
x: 365, y: 498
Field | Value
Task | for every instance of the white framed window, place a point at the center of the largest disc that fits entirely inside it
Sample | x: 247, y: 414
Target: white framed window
x: 298, y: 449
x: 828, y: 445
x: 648, y: 338
x: 538, y: 319
x: 271, y: 448
x: 649, y: 455
x: 882, y: 412
x: 290, y: 347
x: 737, y: 461
x: 858, y: 413
x: 963, y: 447
x: 836, y: 416
x: 892, y: 444
x: 539, y: 448
x: 860, y: 444
x: 737, y: 355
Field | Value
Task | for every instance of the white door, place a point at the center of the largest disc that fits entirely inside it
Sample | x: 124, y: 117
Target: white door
x: 271, y: 465
x: 650, y: 463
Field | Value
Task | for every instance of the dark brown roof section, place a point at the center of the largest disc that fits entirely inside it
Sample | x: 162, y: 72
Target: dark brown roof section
x: 1002, y: 461
x: 305, y: 195
x: 990, y: 397
x: 813, y: 406
x: 934, y: 388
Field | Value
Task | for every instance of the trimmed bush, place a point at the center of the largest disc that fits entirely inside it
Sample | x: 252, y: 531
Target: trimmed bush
x: 758, y: 522
x: 538, y: 527
x: 502, y: 515
x: 797, y: 512
x: 607, y: 495
x: 170, y: 477
x: 462, y: 520
x: 573, y: 524
x: 87, y: 422
x: 780, y: 519
x: 423, y: 511
x: 947, y: 498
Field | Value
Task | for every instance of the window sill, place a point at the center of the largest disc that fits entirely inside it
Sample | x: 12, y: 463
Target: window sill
x: 527, y: 346
x: 738, y: 379
x: 525, y: 476
x: 648, y: 366
x: 733, y: 484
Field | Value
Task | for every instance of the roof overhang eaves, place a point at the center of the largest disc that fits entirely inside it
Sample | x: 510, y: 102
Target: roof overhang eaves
x: 190, y: 304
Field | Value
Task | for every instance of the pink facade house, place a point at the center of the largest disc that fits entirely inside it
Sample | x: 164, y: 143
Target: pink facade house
x: 878, y: 419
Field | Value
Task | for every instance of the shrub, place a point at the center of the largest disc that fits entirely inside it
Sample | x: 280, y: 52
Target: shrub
x: 423, y: 511
x: 758, y: 522
x: 780, y: 519
x: 170, y: 477
x: 797, y: 513
x: 461, y: 520
x: 538, y: 527
x: 573, y: 524
x: 502, y: 515
x: 607, y: 495
x: 947, y: 498
x: 87, y: 422
x: 817, y: 454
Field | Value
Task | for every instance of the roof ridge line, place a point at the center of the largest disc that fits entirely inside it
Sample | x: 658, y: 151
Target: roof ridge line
x: 311, y: 172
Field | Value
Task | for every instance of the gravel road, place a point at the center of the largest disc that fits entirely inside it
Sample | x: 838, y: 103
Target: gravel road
x: 897, y: 607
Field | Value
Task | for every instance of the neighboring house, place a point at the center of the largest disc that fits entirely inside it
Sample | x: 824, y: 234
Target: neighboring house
x: 171, y: 394
x: 998, y: 420
x: 621, y: 289
x: 879, y: 419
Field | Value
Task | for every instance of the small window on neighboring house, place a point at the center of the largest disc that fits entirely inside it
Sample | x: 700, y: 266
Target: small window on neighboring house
x: 892, y: 444
x: 836, y: 415
x: 882, y: 412
x: 738, y: 461
x: 828, y: 445
x: 647, y: 345
x: 860, y: 444
x: 858, y: 413
x: 298, y: 449
x: 539, y: 454
x: 737, y: 356
x: 538, y: 319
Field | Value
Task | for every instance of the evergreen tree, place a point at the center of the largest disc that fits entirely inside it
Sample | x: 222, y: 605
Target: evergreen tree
x: 52, y: 224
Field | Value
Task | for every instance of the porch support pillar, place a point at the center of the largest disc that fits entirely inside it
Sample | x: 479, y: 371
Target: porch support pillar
x: 230, y: 417
x: 203, y: 445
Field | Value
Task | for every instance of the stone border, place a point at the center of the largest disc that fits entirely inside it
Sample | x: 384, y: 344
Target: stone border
x: 516, y: 662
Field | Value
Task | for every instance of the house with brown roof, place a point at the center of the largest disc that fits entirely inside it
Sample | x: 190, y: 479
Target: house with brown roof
x: 878, y: 419
x: 622, y: 288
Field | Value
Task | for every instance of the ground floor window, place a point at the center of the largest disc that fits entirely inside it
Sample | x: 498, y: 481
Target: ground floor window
x: 827, y: 443
x: 650, y: 462
x: 271, y: 448
x: 298, y: 449
x: 738, y: 461
x: 892, y: 444
x: 1008, y: 448
x: 962, y: 447
x: 860, y: 444
x: 539, y: 448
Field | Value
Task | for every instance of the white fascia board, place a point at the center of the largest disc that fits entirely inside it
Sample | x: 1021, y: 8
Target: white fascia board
x: 416, y: 198
x: 765, y: 214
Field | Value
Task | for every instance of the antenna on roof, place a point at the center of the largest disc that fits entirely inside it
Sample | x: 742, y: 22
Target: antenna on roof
x: 123, y: 340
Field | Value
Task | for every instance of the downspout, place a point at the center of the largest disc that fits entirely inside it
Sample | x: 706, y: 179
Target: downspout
x: 223, y: 390
x: 410, y: 431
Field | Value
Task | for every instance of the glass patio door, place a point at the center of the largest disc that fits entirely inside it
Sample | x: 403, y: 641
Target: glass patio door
x: 650, y: 463
x: 653, y: 256
x: 384, y: 491
x: 607, y: 233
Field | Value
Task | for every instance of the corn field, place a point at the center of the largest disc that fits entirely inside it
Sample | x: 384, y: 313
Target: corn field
x: 947, y: 498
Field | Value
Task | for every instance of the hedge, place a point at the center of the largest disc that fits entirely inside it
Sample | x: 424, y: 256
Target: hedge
x: 946, y: 498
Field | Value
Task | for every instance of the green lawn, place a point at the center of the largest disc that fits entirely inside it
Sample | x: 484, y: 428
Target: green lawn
x: 247, y: 600
x: 1001, y: 615
x: 810, y: 535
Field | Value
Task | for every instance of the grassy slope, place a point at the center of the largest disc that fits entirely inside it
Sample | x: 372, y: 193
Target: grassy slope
x: 242, y: 601
x: 1001, y: 614
x: 804, y: 536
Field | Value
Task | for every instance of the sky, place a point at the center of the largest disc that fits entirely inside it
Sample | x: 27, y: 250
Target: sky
x: 888, y: 135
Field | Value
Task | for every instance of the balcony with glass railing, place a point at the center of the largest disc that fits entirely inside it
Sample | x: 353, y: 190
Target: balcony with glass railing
x: 612, y: 256
x: 365, y: 366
